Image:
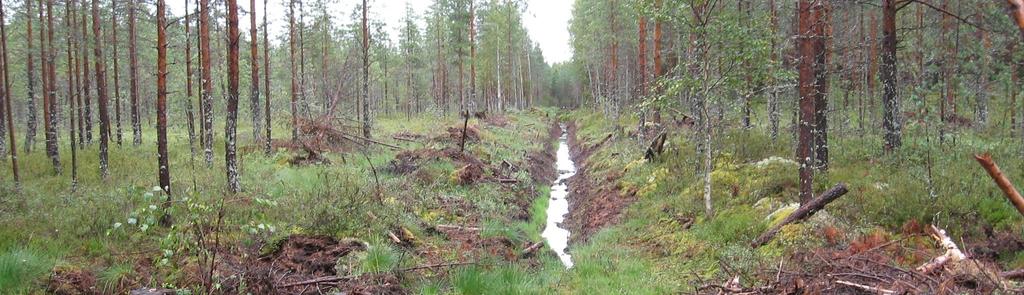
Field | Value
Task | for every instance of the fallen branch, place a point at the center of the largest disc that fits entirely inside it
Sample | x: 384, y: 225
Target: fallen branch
x: 456, y: 227
x: 327, y: 279
x: 330, y: 279
x: 465, y: 125
x: 1004, y: 183
x: 508, y: 180
x: 438, y: 265
x: 1013, y: 274
x: 873, y: 290
x: 531, y: 249
x: 953, y: 253
x: 804, y: 212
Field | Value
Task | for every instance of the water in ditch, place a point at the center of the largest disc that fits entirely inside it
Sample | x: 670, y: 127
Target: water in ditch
x: 558, y: 206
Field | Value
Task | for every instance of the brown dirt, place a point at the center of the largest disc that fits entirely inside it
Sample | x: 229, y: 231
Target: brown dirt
x: 72, y: 282
x: 454, y: 134
x: 593, y: 203
x: 311, y: 255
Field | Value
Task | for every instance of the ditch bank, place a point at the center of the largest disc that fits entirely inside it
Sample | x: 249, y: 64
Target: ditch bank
x: 595, y: 201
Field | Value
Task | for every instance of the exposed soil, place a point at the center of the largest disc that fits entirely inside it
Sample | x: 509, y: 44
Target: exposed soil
x: 593, y: 203
x: 72, y: 282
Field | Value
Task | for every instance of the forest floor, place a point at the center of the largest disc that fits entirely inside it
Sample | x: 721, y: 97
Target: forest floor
x: 426, y: 218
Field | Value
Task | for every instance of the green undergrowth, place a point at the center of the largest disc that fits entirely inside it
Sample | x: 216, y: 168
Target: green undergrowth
x: 103, y: 225
x: 666, y: 244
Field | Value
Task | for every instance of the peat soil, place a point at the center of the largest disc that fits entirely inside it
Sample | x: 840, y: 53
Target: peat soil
x: 595, y: 201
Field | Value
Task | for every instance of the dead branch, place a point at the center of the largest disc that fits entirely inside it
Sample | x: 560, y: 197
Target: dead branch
x: 804, y: 212
x: 456, y: 227
x: 531, y: 249
x: 465, y: 125
x: 953, y: 253
x: 438, y: 265
x: 1016, y: 274
x: 1004, y: 183
x: 873, y: 290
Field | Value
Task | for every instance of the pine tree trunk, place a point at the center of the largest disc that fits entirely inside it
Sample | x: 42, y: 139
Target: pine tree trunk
x: 891, y: 122
x: 230, y: 129
x: 266, y: 81
x: 32, y: 113
x: 821, y: 79
x: 86, y: 76
x: 50, y: 93
x: 164, y: 171
x: 7, y: 94
x: 71, y: 68
x: 366, y: 73
x: 101, y: 88
x: 189, y: 111
x: 133, y: 71
x: 807, y: 40
x: 117, y: 69
x: 254, y: 63
x: 291, y: 59
x: 206, y: 100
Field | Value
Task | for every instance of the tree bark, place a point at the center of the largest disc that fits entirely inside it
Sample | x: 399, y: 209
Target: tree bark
x: 49, y: 89
x: 823, y: 34
x: 101, y: 88
x: 366, y: 73
x: 1002, y: 181
x: 133, y: 71
x: 117, y: 83
x: 891, y: 120
x: 230, y: 132
x: 254, y: 98
x: 7, y: 94
x: 71, y: 71
x: 164, y: 173
x: 32, y: 113
x: 295, y: 82
x: 805, y: 211
x: 207, y: 80
x: 807, y: 39
x: 266, y: 81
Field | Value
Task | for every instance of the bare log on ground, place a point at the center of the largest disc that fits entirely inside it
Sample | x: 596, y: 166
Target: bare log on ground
x: 531, y: 249
x: 1004, y: 183
x: 952, y: 255
x: 804, y: 212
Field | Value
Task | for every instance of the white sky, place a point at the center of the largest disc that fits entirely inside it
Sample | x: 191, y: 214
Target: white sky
x: 546, y: 20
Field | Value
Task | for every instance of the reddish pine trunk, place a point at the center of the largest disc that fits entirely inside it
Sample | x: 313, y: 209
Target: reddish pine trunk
x: 641, y: 89
x: 49, y: 116
x: 101, y: 88
x: 7, y: 94
x: 207, y: 80
x: 891, y: 116
x: 189, y: 111
x: 164, y: 171
x: 809, y: 45
x: 291, y: 59
x: 133, y: 71
x: 230, y: 134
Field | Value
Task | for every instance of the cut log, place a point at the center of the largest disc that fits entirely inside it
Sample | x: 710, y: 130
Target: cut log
x: 1004, y: 183
x: 531, y: 249
x: 804, y: 212
x: 952, y: 255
